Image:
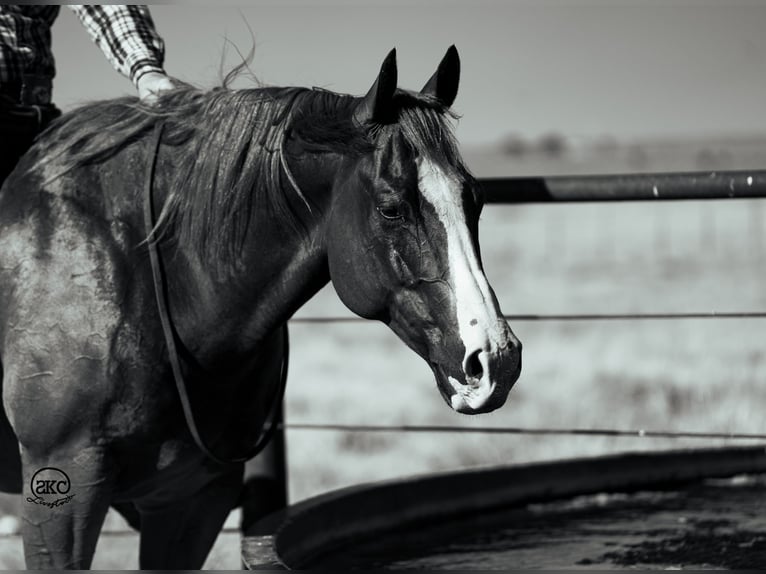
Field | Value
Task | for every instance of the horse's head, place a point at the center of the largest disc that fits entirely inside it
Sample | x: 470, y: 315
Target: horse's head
x: 403, y: 243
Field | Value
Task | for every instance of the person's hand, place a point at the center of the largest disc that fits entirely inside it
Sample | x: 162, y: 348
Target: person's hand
x: 151, y: 84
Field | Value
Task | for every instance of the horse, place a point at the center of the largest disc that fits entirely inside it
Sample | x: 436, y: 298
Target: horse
x: 263, y: 195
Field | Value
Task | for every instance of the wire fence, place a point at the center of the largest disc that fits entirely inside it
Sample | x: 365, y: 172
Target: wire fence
x: 576, y: 317
x: 636, y: 433
x: 715, y: 185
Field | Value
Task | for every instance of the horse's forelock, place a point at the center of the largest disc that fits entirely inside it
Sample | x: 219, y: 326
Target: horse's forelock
x: 424, y: 124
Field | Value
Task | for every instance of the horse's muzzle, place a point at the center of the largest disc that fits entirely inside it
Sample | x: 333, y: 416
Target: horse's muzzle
x: 489, y: 377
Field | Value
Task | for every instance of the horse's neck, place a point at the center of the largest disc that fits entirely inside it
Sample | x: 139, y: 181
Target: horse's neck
x: 282, y: 268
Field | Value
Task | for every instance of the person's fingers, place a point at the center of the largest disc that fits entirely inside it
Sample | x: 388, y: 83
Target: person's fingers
x: 152, y: 84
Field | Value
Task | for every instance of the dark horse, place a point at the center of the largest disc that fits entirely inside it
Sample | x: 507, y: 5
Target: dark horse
x: 264, y: 195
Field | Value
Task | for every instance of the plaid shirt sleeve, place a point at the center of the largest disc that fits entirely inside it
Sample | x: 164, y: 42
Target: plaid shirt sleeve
x: 126, y: 35
x: 25, y: 41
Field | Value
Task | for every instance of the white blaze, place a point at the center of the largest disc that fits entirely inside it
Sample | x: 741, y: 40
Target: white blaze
x: 476, y: 315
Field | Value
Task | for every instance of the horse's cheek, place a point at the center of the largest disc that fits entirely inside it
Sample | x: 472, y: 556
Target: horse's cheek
x: 356, y: 277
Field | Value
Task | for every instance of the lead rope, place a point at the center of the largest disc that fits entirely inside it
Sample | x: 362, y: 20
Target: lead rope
x: 160, y: 292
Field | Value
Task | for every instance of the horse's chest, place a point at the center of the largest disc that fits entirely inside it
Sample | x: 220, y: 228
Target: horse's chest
x: 176, y: 471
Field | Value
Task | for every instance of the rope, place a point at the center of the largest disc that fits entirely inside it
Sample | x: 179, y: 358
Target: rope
x: 161, y: 296
x: 637, y: 433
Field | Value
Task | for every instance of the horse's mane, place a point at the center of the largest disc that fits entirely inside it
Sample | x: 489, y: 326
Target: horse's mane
x: 230, y: 150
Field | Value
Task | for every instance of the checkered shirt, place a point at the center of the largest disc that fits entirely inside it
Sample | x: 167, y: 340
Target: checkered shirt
x: 125, y: 33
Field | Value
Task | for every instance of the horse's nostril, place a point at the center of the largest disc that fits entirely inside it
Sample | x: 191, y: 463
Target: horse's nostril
x: 472, y: 366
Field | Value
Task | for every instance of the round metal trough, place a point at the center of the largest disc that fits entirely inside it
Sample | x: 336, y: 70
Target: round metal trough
x: 322, y: 531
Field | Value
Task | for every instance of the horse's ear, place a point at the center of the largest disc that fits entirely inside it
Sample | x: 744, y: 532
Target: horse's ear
x: 443, y: 84
x: 377, y: 104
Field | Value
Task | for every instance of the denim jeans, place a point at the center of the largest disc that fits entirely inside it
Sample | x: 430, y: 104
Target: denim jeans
x: 19, y: 126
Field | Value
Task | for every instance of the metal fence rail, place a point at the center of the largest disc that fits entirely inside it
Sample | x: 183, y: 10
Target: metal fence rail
x: 631, y: 187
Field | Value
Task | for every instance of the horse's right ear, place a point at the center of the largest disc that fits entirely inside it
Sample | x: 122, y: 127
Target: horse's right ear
x: 443, y: 84
x: 377, y: 104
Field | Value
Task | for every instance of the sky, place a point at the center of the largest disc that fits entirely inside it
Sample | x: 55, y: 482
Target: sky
x: 583, y: 68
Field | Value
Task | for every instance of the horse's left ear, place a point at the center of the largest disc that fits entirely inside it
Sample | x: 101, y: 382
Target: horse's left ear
x: 377, y: 104
x: 443, y: 84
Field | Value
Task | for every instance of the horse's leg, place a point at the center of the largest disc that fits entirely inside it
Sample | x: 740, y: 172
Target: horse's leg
x: 10, y: 460
x: 129, y: 512
x: 63, y: 534
x: 67, y: 470
x: 179, y: 536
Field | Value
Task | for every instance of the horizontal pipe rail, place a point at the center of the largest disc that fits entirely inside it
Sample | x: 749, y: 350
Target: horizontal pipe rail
x: 629, y: 187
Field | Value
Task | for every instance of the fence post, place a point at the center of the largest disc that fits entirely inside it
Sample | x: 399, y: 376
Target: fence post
x: 265, y: 485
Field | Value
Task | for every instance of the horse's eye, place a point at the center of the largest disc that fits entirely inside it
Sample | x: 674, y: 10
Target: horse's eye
x: 390, y: 212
